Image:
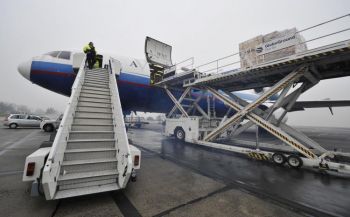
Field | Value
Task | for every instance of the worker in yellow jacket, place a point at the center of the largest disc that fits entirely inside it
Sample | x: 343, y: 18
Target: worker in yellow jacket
x: 90, y: 51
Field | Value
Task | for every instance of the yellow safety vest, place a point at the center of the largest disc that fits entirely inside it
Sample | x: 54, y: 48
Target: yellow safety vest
x: 86, y: 48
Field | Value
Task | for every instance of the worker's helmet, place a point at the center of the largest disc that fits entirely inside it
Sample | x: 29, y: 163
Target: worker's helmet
x: 90, y: 43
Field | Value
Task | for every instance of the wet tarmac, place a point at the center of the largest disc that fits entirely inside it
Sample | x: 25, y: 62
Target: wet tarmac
x: 314, y: 193
x: 177, y: 179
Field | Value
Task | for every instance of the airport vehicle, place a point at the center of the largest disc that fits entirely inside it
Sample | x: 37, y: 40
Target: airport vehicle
x: 50, y: 125
x: 135, y: 121
x: 22, y: 120
x: 91, y: 152
x: 288, y: 76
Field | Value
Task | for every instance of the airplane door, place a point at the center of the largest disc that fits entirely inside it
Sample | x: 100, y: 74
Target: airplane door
x: 158, y: 52
x: 77, y: 61
x: 158, y: 55
x: 116, y: 66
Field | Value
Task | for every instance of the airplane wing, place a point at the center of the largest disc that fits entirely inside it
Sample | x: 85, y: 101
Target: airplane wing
x: 301, y: 105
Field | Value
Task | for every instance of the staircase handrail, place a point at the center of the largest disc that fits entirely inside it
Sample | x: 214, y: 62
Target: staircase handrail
x: 121, y: 139
x: 52, y: 167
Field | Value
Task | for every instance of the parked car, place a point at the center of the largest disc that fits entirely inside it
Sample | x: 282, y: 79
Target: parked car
x: 22, y: 120
x: 51, y: 125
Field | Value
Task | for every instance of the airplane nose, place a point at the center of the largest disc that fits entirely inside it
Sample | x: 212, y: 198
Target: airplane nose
x: 24, y: 69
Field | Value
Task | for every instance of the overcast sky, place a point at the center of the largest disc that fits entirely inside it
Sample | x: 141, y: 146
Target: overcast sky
x: 203, y: 29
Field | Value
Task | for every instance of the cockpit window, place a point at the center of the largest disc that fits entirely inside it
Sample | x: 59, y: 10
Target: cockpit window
x: 64, y: 55
x: 53, y: 53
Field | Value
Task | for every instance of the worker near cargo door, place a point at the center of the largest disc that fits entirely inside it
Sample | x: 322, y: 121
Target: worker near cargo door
x: 90, y: 52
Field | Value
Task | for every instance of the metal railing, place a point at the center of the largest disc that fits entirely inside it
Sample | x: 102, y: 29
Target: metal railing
x: 227, y: 63
x: 52, y: 167
x: 121, y: 139
x: 184, y: 65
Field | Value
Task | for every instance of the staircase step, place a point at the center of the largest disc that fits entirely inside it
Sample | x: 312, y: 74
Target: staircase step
x: 94, y: 77
x: 85, y: 162
x: 90, y: 143
x: 98, y: 77
x: 91, y: 135
x: 87, y: 190
x: 87, y: 175
x: 96, y: 82
x: 98, y: 100
x: 96, y: 89
x: 96, y: 92
x: 98, y: 73
x: 93, y: 109
x: 110, y: 112
x: 94, y: 96
x: 94, y: 104
x: 89, y: 153
x: 94, y: 85
x: 93, y: 115
x: 97, y: 70
x: 92, y: 121
x: 88, y: 165
x: 92, y: 127
x: 87, y: 182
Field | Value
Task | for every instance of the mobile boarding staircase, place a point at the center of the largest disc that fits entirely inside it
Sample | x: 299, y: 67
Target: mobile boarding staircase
x: 90, y: 153
x: 288, y: 76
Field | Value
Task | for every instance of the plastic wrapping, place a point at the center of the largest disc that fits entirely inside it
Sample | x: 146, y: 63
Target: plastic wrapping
x: 275, y: 45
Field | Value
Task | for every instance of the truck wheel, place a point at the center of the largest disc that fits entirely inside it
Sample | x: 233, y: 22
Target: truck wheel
x: 278, y: 158
x: 13, y: 126
x: 48, y: 128
x: 294, y: 161
x: 179, y: 134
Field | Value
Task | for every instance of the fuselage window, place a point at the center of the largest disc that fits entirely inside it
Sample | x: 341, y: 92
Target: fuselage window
x: 53, y: 53
x: 64, y: 55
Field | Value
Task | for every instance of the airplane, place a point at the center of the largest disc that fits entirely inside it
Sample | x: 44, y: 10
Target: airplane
x: 56, y: 71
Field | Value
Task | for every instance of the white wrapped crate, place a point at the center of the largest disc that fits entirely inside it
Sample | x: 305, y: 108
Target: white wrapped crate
x: 264, y: 48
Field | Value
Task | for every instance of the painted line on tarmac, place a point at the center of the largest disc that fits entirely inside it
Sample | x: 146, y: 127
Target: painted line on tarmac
x: 218, y: 191
x: 124, y: 204
x: 6, y: 173
x: 56, y: 208
x: 19, y: 142
x: 5, y: 145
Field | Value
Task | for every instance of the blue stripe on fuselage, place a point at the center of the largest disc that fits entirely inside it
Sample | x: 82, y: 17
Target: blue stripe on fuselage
x: 134, y: 78
x: 51, y: 67
x: 56, y: 77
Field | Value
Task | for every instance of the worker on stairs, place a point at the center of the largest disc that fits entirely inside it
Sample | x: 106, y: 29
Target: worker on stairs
x: 90, y: 52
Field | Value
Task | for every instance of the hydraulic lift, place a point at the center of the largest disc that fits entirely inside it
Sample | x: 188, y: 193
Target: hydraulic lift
x: 288, y: 77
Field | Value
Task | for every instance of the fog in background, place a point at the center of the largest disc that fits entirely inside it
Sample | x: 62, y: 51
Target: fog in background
x: 204, y: 29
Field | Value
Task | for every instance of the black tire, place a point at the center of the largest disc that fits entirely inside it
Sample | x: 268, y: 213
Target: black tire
x: 294, y: 161
x: 48, y: 128
x: 278, y: 158
x: 179, y: 134
x: 13, y: 126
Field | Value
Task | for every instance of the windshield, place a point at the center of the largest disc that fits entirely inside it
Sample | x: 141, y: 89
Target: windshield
x: 53, y: 53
